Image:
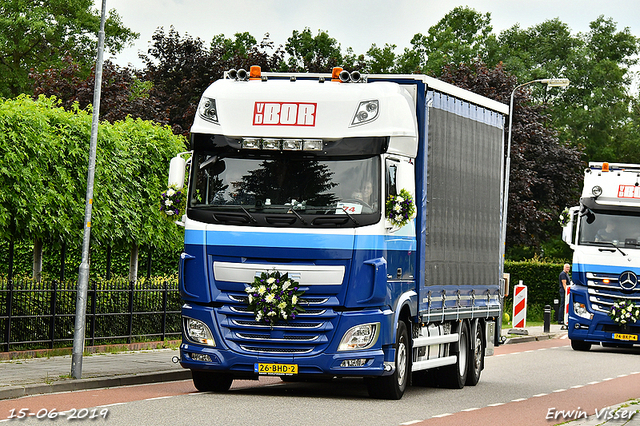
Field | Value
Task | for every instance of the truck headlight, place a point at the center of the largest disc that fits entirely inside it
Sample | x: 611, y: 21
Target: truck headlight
x: 207, y: 110
x: 367, y: 111
x: 581, y: 310
x: 198, y: 332
x: 361, y: 336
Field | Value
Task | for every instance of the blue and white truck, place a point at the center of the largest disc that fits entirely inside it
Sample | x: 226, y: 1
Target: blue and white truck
x: 341, y: 225
x: 604, y: 233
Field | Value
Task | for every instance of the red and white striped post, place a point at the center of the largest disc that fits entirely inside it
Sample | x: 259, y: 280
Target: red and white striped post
x: 520, y: 306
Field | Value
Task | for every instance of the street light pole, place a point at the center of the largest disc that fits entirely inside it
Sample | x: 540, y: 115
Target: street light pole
x: 83, y: 272
x: 550, y: 82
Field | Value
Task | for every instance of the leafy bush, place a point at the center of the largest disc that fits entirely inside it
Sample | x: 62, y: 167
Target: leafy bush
x: 541, y: 279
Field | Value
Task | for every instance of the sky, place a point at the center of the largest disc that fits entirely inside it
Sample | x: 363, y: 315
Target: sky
x: 353, y: 23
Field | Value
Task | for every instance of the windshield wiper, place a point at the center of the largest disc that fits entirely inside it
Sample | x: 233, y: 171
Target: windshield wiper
x: 304, y: 222
x: 606, y: 243
x: 253, y: 219
x: 350, y: 217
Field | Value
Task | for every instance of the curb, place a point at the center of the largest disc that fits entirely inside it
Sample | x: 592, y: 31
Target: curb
x: 94, y: 383
x: 532, y: 338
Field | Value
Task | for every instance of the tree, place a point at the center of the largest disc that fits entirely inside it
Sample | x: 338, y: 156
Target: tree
x: 594, y: 110
x: 312, y: 54
x: 545, y: 174
x: 36, y: 34
x: 459, y: 37
x: 383, y: 60
x: 124, y: 93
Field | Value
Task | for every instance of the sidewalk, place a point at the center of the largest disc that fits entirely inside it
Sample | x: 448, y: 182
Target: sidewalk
x: 531, y: 334
x: 22, y: 377
x: 32, y: 376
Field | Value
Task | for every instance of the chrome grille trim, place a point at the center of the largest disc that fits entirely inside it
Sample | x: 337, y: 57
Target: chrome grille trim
x: 615, y: 294
x: 306, y: 313
x: 275, y: 350
x: 313, y: 301
x: 248, y: 336
x: 610, y: 277
x: 303, y: 301
x: 592, y: 284
x: 251, y: 323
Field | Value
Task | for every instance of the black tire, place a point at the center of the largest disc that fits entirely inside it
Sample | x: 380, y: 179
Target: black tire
x: 476, y: 357
x: 580, y: 345
x: 393, y: 386
x: 455, y: 376
x: 207, y: 381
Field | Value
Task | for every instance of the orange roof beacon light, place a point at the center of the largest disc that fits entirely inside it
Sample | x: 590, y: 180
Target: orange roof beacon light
x: 335, y: 74
x: 605, y: 167
x: 255, y: 72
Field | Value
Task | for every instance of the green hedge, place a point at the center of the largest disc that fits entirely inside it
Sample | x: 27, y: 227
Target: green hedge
x: 541, y: 279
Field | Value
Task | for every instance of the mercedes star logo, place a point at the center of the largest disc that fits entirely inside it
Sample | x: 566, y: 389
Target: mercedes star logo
x: 628, y: 280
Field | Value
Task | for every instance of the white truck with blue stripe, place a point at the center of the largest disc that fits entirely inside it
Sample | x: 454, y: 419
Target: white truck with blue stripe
x: 604, y: 233
x: 292, y: 174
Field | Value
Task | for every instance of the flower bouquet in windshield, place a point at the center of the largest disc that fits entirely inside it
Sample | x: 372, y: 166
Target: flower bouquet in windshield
x: 624, y: 312
x: 274, y: 296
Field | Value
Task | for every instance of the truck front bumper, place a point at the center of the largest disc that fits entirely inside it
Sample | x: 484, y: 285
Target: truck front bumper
x: 196, y: 357
x: 324, y: 361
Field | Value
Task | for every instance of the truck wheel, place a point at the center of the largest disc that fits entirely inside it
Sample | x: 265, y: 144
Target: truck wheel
x: 455, y: 376
x: 207, y: 381
x: 580, y: 345
x: 393, y: 386
x: 476, y: 357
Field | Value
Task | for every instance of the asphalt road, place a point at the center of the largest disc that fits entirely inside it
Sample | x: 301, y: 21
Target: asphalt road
x: 520, y: 385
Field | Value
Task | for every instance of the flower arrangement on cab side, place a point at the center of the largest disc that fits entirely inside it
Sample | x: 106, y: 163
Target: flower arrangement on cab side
x: 564, y: 217
x: 172, y: 202
x: 400, y: 209
x: 624, y: 312
x: 274, y: 296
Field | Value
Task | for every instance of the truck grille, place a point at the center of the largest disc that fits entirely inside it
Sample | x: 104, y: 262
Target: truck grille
x: 605, y: 290
x: 310, y: 332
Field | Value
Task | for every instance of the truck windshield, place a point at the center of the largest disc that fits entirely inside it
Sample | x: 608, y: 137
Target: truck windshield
x: 301, y: 187
x: 608, y: 230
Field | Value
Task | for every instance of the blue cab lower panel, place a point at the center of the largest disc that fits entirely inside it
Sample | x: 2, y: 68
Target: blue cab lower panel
x: 600, y: 328
x: 239, y: 350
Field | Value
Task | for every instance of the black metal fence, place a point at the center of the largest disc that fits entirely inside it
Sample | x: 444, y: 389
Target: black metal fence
x: 42, y: 315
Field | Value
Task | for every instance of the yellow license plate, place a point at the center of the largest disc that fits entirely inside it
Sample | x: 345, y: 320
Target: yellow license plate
x: 618, y: 336
x: 275, y: 369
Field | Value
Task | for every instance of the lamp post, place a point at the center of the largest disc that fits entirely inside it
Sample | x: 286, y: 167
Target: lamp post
x: 550, y: 82
x: 83, y: 271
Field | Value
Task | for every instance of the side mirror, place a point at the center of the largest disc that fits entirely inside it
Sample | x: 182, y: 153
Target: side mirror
x: 567, y: 233
x: 568, y: 230
x: 177, y: 168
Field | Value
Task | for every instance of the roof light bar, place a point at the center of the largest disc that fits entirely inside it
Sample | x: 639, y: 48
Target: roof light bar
x: 274, y: 144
